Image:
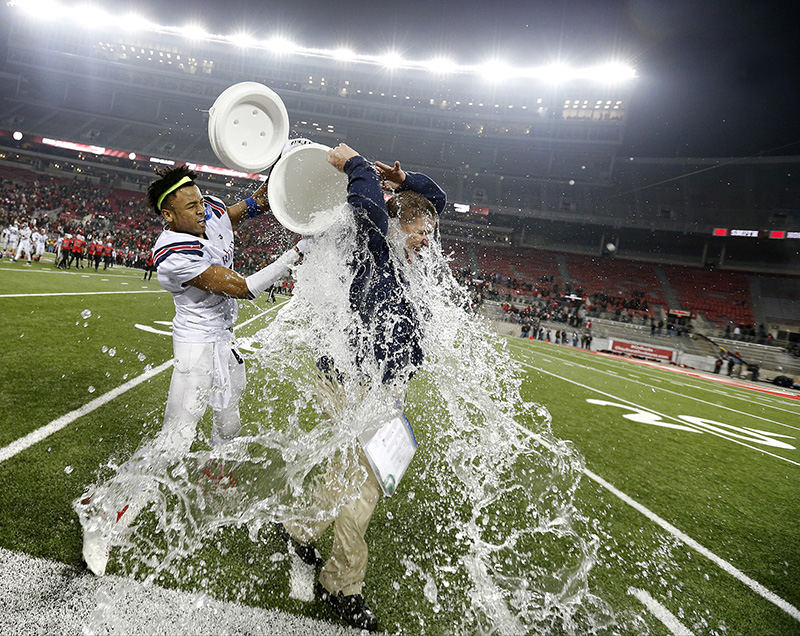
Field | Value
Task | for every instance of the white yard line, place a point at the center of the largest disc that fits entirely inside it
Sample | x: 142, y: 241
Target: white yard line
x: 61, y: 272
x: 660, y: 612
x: 664, y: 415
x: 19, y: 445
x: 691, y: 373
x: 94, y: 293
x: 38, y: 596
x: 754, y: 585
x: 665, y: 390
x: 734, y: 391
x: 697, y: 547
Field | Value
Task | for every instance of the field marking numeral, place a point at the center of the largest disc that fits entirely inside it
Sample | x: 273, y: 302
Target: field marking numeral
x: 700, y: 424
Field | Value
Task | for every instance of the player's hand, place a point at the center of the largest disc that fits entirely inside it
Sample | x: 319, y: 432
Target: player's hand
x: 339, y: 156
x: 260, y: 196
x: 305, y: 244
x: 391, y: 177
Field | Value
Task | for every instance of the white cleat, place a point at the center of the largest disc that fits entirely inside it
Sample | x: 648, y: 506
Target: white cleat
x: 95, y: 551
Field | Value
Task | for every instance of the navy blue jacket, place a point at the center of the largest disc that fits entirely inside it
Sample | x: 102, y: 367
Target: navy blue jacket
x: 378, y: 290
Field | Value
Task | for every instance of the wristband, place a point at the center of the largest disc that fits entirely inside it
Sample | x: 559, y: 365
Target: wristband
x: 252, y: 207
x: 265, y: 278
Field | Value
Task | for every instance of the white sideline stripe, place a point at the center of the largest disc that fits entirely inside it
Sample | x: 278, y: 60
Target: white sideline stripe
x: 38, y: 596
x: 681, y: 536
x: 56, y: 425
x: 94, y: 293
x: 686, y: 539
x: 669, y: 417
x: 19, y: 445
x: 62, y: 272
x: 660, y: 612
x: 149, y: 329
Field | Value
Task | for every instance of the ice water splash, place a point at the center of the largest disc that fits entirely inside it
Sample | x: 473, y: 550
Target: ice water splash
x: 496, y: 545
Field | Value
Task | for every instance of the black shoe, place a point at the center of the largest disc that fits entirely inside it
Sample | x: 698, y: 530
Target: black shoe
x: 352, y: 609
x: 308, y: 553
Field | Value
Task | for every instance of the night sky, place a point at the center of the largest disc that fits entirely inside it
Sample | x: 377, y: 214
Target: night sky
x: 717, y: 78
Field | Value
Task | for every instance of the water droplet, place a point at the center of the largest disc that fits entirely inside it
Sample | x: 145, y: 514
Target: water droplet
x: 91, y: 389
x: 141, y: 357
x: 86, y: 324
x: 86, y: 313
x: 104, y: 349
x: 68, y: 469
x: 112, y: 352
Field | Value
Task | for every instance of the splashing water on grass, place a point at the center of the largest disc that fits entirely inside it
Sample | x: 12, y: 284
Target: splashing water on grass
x: 485, y: 532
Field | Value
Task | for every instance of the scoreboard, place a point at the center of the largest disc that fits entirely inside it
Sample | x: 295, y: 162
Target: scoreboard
x: 745, y: 233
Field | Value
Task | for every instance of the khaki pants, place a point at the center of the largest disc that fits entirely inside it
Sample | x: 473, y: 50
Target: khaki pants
x: 346, y: 567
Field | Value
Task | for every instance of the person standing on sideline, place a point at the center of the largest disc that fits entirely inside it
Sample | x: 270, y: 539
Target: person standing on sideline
x: 41, y: 243
x: 25, y: 233
x: 66, y: 252
x: 78, y: 241
x: 149, y: 267
x: 57, y: 246
x: 4, y: 241
x: 13, y: 238
x: 108, y: 251
x: 193, y: 257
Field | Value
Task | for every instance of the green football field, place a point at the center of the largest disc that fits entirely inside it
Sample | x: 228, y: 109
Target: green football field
x: 692, y: 483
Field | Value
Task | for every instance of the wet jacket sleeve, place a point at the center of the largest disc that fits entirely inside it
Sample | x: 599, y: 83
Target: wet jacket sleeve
x: 427, y: 187
x: 365, y: 197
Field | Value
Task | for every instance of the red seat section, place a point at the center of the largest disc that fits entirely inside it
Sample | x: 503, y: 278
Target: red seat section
x: 720, y: 295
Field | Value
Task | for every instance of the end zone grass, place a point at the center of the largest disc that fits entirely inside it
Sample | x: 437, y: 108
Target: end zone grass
x: 735, y: 496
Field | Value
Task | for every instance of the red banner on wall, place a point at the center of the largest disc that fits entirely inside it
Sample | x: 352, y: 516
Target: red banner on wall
x: 648, y: 352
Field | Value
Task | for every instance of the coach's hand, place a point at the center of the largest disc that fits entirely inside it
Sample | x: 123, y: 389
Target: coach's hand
x: 391, y: 177
x: 339, y: 156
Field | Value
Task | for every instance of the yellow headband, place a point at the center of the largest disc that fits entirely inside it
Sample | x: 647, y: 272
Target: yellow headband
x: 180, y: 183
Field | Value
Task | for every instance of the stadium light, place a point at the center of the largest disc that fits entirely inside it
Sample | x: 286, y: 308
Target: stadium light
x: 281, y: 45
x: 391, y: 60
x: 243, y: 40
x: 135, y: 22
x: 441, y: 65
x: 610, y: 73
x: 555, y: 73
x: 194, y: 32
x: 343, y: 54
x: 41, y: 9
x: 92, y: 17
x: 495, y: 70
x: 17, y: 135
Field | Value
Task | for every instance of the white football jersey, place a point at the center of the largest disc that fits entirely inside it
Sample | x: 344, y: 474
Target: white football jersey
x: 200, y: 316
x: 25, y: 233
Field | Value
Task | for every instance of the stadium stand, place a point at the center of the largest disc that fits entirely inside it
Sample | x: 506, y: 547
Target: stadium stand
x: 722, y: 296
x: 68, y: 204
